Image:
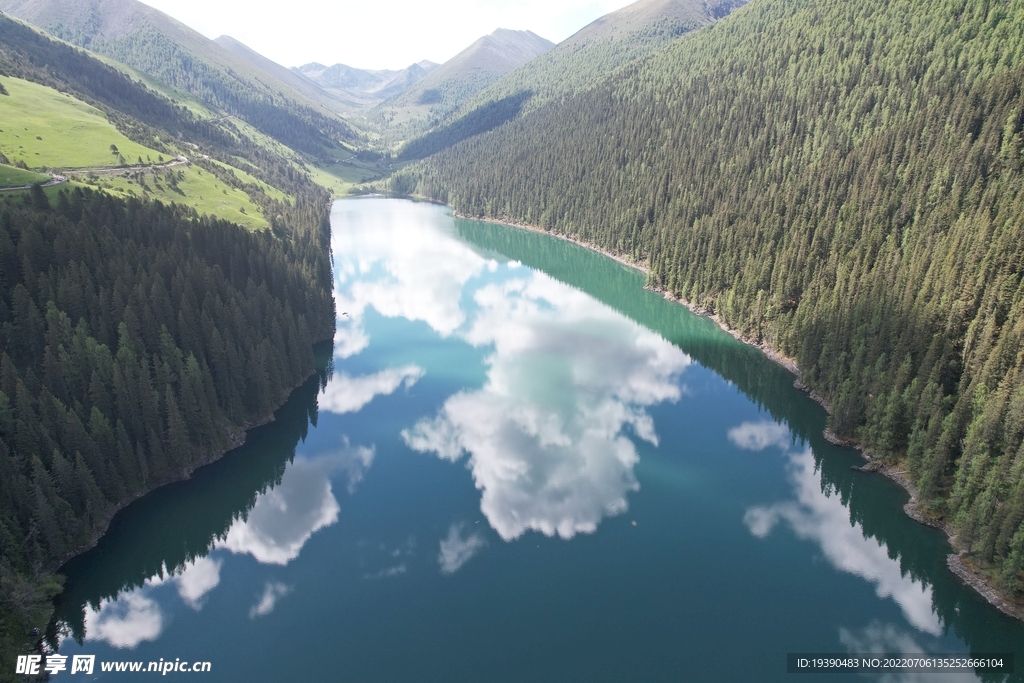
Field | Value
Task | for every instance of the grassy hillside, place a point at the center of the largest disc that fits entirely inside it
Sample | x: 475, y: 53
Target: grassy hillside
x: 43, y: 127
x: 190, y: 187
x: 842, y: 181
x: 99, y: 282
x: 17, y: 177
x: 154, y: 43
x: 47, y: 128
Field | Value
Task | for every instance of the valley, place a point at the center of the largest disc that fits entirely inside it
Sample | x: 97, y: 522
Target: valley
x: 186, y: 225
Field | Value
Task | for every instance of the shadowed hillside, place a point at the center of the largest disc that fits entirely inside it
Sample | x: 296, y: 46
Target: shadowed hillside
x: 843, y: 182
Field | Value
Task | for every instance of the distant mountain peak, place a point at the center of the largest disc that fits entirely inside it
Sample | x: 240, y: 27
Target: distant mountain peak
x: 483, y: 62
x: 363, y: 88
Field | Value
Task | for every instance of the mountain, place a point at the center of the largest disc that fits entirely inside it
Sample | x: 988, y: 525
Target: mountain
x: 577, y: 62
x: 841, y: 183
x: 138, y: 338
x: 364, y: 88
x: 449, y: 85
x: 278, y: 72
x: 610, y: 41
x: 152, y: 42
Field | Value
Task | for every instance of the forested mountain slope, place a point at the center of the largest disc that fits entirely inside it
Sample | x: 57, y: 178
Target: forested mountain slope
x: 137, y: 339
x: 445, y: 88
x: 154, y: 43
x: 605, y: 44
x: 843, y: 181
x: 278, y: 72
x: 577, y: 62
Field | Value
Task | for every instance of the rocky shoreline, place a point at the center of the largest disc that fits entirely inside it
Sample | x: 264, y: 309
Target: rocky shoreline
x: 958, y: 562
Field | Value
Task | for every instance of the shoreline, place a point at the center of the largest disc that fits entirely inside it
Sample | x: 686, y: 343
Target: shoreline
x: 237, y: 437
x: 957, y: 562
x: 534, y: 228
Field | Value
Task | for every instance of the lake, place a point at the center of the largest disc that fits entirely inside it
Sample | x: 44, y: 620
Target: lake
x: 516, y: 464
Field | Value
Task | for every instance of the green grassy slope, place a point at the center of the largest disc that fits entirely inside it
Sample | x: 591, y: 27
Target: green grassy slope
x: 188, y: 186
x: 843, y: 181
x: 65, y: 243
x: 47, y: 128
x: 138, y: 106
x: 43, y: 127
x: 17, y: 177
x: 152, y: 42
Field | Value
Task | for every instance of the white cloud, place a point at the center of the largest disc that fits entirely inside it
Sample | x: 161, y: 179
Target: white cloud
x: 879, y: 638
x: 286, y: 516
x: 353, y: 461
x: 546, y: 435
x: 126, y: 621
x: 349, y: 340
x: 196, y: 579
x: 757, y: 436
x: 825, y: 520
x: 457, y: 551
x: 398, y: 262
x: 272, y: 592
x: 345, y: 394
x: 569, y: 380
x: 387, y: 572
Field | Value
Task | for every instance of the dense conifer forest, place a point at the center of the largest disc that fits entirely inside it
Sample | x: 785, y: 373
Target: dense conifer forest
x: 842, y: 181
x: 137, y: 340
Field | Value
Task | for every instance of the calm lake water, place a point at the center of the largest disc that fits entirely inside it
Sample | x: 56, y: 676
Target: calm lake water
x: 518, y: 465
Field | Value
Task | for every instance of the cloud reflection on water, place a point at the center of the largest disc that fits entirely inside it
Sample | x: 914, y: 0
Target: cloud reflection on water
x: 457, y: 551
x: 274, y: 532
x: 198, y: 578
x: 878, y: 638
x: 547, y: 434
x: 825, y: 520
x: 272, y: 592
x: 286, y: 516
x: 569, y: 379
x: 757, y: 436
x: 344, y: 394
x: 131, y: 618
x: 398, y: 262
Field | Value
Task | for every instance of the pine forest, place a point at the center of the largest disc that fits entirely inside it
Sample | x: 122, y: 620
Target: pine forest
x: 840, y: 181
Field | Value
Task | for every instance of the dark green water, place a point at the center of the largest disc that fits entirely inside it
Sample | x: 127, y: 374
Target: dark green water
x: 518, y: 465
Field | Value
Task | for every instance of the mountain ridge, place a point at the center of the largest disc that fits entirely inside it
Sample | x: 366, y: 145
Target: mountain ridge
x: 152, y: 42
x: 579, y: 61
x: 441, y: 91
x: 363, y: 88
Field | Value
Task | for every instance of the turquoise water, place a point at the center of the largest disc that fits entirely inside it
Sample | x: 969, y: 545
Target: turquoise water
x: 518, y: 465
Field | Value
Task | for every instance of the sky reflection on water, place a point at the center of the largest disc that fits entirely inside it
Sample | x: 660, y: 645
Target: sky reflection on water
x: 820, y: 516
x: 568, y: 378
x: 475, y: 400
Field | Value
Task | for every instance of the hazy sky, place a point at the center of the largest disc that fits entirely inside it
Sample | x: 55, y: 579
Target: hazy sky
x: 377, y: 34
